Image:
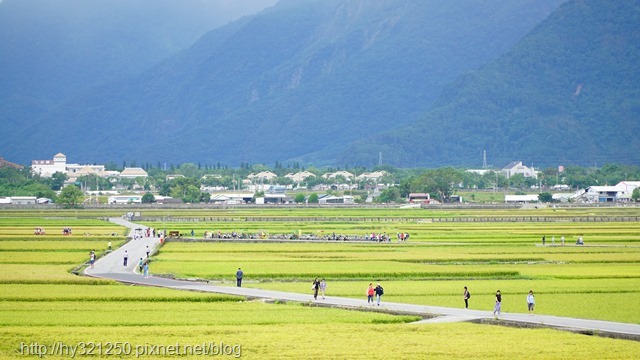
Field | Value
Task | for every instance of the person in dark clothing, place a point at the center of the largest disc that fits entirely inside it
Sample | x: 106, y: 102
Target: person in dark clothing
x: 498, y: 307
x: 315, y: 287
x: 239, y: 275
x: 466, y: 295
x: 379, y: 292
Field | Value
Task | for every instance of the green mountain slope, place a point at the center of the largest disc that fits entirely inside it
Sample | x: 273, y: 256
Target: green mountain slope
x: 300, y: 80
x: 566, y: 94
x: 53, y: 50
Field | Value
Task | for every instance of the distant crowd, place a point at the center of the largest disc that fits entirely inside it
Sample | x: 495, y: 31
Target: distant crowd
x: 375, y: 237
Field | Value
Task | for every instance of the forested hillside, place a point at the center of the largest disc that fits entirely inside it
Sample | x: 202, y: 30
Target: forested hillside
x: 52, y: 50
x: 300, y: 80
x: 566, y: 94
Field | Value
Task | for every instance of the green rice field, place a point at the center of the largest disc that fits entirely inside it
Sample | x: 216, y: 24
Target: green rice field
x: 43, y: 303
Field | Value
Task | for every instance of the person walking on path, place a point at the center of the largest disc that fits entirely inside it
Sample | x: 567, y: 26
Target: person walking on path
x: 466, y: 295
x: 239, y: 275
x: 315, y: 287
x: 140, y: 264
x: 370, y: 292
x: 323, y: 287
x: 125, y: 258
x: 498, y: 307
x: 109, y: 245
x: 92, y: 257
x: 531, y: 301
x: 146, y: 269
x: 562, y: 240
x: 379, y: 292
x: 148, y: 251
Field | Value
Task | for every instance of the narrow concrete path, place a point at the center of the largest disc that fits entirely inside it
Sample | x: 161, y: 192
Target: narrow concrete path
x: 111, y: 267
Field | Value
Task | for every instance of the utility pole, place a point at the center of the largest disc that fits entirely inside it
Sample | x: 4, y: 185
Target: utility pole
x: 484, y: 159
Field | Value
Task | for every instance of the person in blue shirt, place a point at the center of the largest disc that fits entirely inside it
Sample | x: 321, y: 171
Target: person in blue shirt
x: 239, y: 275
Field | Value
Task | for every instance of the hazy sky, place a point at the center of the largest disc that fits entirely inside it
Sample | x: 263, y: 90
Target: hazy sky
x: 230, y: 9
x: 237, y: 8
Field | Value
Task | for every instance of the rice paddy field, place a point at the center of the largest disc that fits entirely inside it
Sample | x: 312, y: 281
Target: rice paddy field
x: 45, y: 307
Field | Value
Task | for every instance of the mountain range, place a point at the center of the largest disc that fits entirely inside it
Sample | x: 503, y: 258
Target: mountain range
x: 422, y: 82
x: 567, y: 93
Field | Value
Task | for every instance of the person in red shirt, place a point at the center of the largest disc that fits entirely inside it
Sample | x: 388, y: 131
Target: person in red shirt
x: 370, y: 292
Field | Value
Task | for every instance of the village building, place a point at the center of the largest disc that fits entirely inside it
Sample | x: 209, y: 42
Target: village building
x: 331, y: 199
x: 300, y: 176
x: 601, y: 194
x: 345, y: 174
x: 627, y: 188
x: 419, y: 198
x: 371, y: 176
x: 125, y: 199
x: 133, y: 173
x: 520, y: 198
x: 46, y: 168
x: 211, y: 176
x: 516, y: 167
x: 23, y: 200
x: 174, y: 176
x: 262, y: 176
x: 231, y: 198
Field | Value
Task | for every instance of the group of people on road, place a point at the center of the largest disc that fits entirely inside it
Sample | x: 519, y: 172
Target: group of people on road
x: 497, y: 308
x: 580, y: 240
x: 374, y: 294
x: 319, y: 286
x: 378, y: 291
x: 143, y: 266
x: 143, y: 263
x: 373, y: 236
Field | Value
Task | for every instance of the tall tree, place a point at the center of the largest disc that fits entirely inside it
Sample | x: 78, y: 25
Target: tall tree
x: 440, y: 182
x: 70, y: 196
x: 57, y: 180
x: 148, y: 198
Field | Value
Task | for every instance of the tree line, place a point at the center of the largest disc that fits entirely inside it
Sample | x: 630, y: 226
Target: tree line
x: 441, y: 183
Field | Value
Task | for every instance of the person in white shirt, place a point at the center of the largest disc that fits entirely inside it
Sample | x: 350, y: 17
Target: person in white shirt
x: 323, y: 287
x: 531, y: 301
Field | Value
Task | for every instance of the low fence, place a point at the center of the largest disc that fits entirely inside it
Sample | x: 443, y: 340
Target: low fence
x: 482, y: 219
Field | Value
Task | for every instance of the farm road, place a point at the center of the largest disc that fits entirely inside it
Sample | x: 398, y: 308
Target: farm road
x: 111, y: 267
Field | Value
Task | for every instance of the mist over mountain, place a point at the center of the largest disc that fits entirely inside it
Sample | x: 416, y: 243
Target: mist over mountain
x: 300, y: 80
x: 567, y: 93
